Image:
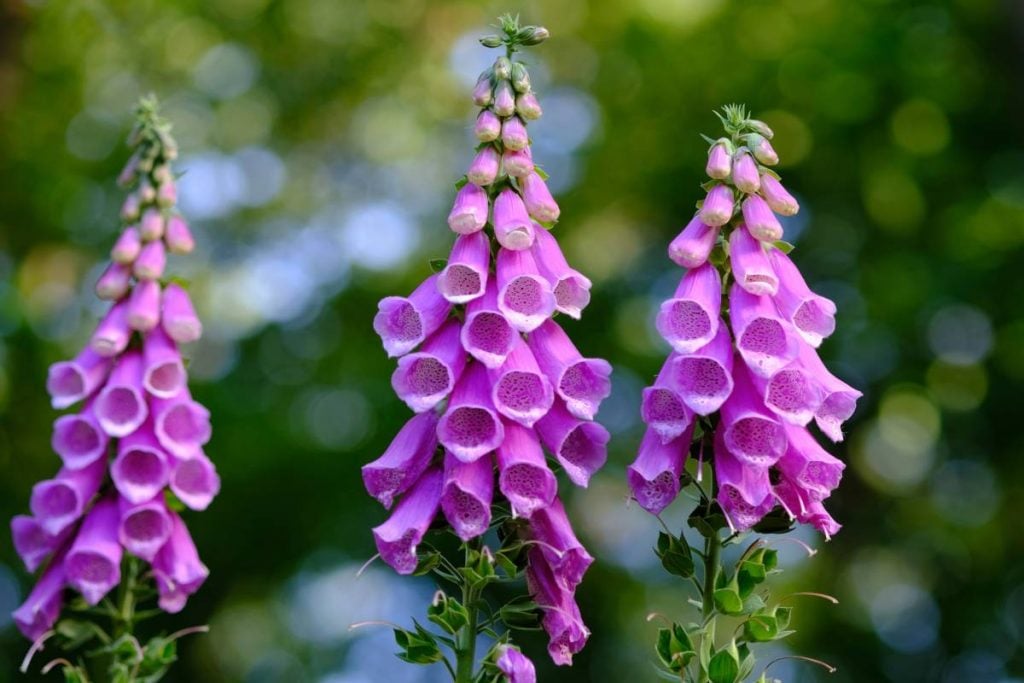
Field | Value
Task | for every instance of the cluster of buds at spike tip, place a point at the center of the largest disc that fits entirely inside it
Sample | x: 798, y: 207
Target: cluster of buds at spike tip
x: 493, y: 378
x: 132, y: 453
x: 744, y: 328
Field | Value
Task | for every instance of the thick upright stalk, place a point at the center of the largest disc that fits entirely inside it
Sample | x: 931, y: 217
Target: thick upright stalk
x: 465, y: 659
x: 711, y: 561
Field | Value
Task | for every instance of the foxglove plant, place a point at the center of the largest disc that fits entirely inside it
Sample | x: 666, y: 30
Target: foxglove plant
x: 131, y: 454
x: 741, y: 387
x: 494, y: 381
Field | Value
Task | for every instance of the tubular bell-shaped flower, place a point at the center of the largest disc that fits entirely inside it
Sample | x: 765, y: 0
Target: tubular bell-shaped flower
x: 498, y: 382
x: 127, y: 451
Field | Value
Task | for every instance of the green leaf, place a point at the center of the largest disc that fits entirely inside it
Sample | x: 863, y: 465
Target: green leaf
x: 748, y: 576
x: 674, y: 647
x: 707, y: 522
x: 760, y: 628
x: 461, y: 182
x: 541, y: 172
x: 728, y: 601
x: 782, y: 616
x: 449, y: 614
x: 664, y: 646
x: 723, y: 668
x: 520, y: 614
x: 675, y: 555
x: 783, y: 246
x: 775, y: 522
x: 417, y: 648
x: 438, y: 264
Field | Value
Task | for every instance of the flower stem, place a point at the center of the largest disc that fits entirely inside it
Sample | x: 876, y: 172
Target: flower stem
x: 465, y: 657
x: 713, y: 550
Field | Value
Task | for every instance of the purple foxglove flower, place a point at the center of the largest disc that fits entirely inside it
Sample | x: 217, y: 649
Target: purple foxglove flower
x: 195, y: 481
x: 488, y: 126
x: 469, y: 212
x: 467, y: 493
x: 465, y: 276
x: 516, y: 666
x: 484, y: 168
x: 524, y: 476
x: 130, y: 207
x: 93, y: 564
x: 513, y: 134
x: 744, y: 173
x: 839, y: 399
x: 571, y: 288
x: 809, y: 466
x: 528, y: 107
x: 517, y: 163
x: 537, y: 197
x: 167, y: 194
x: 744, y: 492
x: 581, y: 382
x: 662, y: 407
x: 178, y: 237
x: 504, y: 99
x: 762, y: 149
x: 144, y: 527
x: 525, y: 297
x: 791, y: 393
x: 112, y: 334
x: 78, y: 440
x: 780, y: 201
x: 404, y: 461
x: 71, y: 381
x: 181, y: 425
x: 520, y: 391
x: 512, y: 225
x: 31, y: 541
x: 750, y: 265
x: 703, y: 379
x: 404, y: 322
x: 580, y: 446
x: 470, y: 427
x: 127, y: 247
x: 654, y: 475
x: 178, y: 317
x: 487, y: 335
x: 692, y: 247
x: 718, y: 206
x: 567, y: 634
x: 115, y: 282
x: 39, y: 612
x: 564, y: 553
x: 141, y: 468
x: 163, y: 373
x: 482, y: 93
x: 144, y: 306
x: 766, y: 341
x: 151, y: 262
x: 58, y: 503
x: 689, y: 320
x: 752, y: 434
x: 813, y: 316
x: 177, y: 568
x: 759, y: 219
x: 120, y: 407
x: 398, y: 537
x: 424, y: 378
x: 151, y: 227
x: 720, y: 160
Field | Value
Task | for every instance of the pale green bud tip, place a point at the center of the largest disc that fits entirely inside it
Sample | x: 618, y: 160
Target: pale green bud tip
x: 491, y: 41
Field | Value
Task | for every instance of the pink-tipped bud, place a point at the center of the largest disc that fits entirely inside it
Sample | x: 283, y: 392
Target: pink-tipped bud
x: 128, y: 173
x: 762, y: 149
x: 528, y: 107
x: 504, y: 99
x: 167, y: 194
x: 744, y: 173
x: 144, y: 306
x: 115, y: 282
x: 130, y: 208
x: 692, y: 247
x: 112, y: 334
x: 760, y: 220
x: 517, y: 163
x: 151, y: 261
x: 488, y: 126
x: 512, y: 225
x: 178, y: 237
x: 178, y: 317
x: 146, y: 192
x: 718, y: 206
x: 469, y: 212
x: 537, y: 197
x: 484, y: 168
x: 151, y: 227
x: 513, y: 134
x: 780, y: 201
x: 482, y: 92
x: 126, y: 248
x: 720, y: 160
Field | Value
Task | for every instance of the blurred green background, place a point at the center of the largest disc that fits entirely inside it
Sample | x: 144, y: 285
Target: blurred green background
x: 320, y: 140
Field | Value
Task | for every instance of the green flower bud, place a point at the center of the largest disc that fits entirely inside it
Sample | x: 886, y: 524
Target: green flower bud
x: 491, y: 41
x: 532, y: 35
x: 760, y: 127
x: 503, y: 68
x: 520, y: 77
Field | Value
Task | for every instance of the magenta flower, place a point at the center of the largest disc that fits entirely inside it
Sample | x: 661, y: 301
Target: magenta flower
x: 132, y: 384
x: 516, y: 666
x: 692, y: 247
x: 424, y: 378
x: 398, y: 537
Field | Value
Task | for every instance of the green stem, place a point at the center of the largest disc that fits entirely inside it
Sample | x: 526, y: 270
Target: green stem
x: 126, y: 604
x: 465, y: 656
x: 713, y: 550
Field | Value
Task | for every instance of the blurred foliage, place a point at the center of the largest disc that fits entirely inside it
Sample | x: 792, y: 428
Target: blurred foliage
x: 898, y: 127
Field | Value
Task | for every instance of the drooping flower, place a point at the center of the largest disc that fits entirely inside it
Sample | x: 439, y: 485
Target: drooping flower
x: 758, y: 367
x: 137, y: 437
x: 498, y: 382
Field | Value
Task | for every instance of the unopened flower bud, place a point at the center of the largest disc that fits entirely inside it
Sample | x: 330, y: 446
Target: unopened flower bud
x: 482, y: 92
x: 488, y: 126
x: 115, y: 282
x: 744, y: 172
x: 126, y: 248
x: 778, y: 198
x: 532, y: 35
x: 513, y: 134
x: 130, y: 208
x: 720, y: 160
x: 167, y: 194
x: 491, y: 41
x: 527, y: 106
x: 127, y: 175
x: 504, y: 99
x: 718, y: 206
x: 484, y: 168
x: 503, y: 68
x: 170, y: 146
x: 761, y: 127
x: 162, y: 174
x: 151, y: 227
x: 147, y: 193
x: 517, y: 163
x: 177, y: 236
x: 520, y: 77
x: 762, y: 149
